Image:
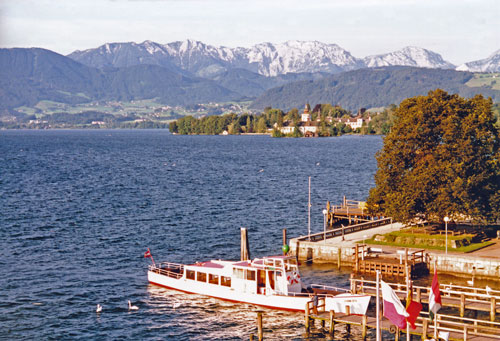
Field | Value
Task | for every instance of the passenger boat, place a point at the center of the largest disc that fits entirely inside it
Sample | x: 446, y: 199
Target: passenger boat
x: 272, y: 282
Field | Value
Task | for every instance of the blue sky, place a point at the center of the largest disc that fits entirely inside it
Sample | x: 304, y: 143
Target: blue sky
x: 460, y: 31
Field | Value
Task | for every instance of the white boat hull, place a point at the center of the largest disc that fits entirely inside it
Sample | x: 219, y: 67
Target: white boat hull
x: 358, y: 304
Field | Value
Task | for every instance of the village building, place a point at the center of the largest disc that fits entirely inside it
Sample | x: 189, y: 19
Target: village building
x: 307, y: 127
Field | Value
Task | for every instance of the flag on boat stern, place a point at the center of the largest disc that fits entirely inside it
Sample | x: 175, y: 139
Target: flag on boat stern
x: 435, y: 296
x: 393, y: 308
x: 147, y: 254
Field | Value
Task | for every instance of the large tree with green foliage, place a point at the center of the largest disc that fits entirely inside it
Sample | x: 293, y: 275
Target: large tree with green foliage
x: 441, y: 158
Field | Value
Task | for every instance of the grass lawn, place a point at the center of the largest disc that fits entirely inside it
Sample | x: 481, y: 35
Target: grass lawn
x: 427, y: 241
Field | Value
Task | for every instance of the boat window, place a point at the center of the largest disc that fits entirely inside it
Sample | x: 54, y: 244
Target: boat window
x: 278, y: 273
x: 190, y: 274
x: 279, y: 263
x: 213, y: 279
x: 250, y: 275
x: 202, y: 277
x: 239, y: 273
x: 225, y: 281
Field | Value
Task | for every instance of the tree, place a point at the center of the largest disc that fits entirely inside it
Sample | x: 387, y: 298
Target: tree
x: 261, y: 125
x: 441, y: 158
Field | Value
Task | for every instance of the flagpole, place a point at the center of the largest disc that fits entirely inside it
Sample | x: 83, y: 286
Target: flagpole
x: 408, y: 293
x: 435, y: 315
x: 378, y: 337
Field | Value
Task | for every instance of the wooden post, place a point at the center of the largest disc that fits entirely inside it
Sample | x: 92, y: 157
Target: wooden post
x: 465, y: 332
x: 297, y: 251
x: 419, y: 296
x: 462, y: 305
x: 284, y: 240
x: 259, y: 326
x: 425, y: 325
x: 356, y: 259
x: 492, y: 309
x: 339, y: 258
x: 348, y: 310
x: 307, y: 320
x: 245, y: 249
x: 406, y: 261
x: 363, y: 325
x: 332, y: 323
x: 396, y: 336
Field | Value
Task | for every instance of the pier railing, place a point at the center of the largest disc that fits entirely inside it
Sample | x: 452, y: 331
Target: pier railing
x: 456, y: 296
x: 345, y: 230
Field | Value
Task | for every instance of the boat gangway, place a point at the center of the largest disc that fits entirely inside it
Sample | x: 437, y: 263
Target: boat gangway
x: 455, y: 296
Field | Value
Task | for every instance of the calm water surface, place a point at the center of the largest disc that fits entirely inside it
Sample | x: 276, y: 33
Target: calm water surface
x: 79, y: 208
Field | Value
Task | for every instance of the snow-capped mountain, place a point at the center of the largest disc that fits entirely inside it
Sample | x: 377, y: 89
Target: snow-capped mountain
x: 206, y: 60
x: 490, y: 64
x: 409, y: 56
x: 267, y: 59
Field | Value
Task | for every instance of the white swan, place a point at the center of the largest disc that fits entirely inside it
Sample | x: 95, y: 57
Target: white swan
x: 176, y: 305
x: 132, y: 307
x: 471, y: 282
x: 99, y: 308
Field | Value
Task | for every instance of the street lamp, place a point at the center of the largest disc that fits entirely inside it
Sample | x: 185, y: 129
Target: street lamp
x: 446, y: 220
x: 325, y: 212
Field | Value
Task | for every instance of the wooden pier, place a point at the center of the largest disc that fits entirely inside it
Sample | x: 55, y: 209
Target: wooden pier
x: 350, y: 211
x: 455, y: 296
x: 459, y: 328
x: 371, y: 262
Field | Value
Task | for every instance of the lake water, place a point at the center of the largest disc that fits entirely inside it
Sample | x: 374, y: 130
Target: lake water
x: 79, y: 208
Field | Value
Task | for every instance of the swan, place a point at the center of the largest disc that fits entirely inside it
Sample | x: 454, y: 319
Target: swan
x: 176, y: 305
x: 99, y: 308
x: 132, y: 307
x: 471, y: 282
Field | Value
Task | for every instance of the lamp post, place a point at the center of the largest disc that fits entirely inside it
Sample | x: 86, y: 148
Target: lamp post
x: 325, y: 212
x: 446, y: 220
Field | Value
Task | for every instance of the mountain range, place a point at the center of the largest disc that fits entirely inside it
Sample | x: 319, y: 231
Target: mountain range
x: 190, y: 72
x: 266, y: 59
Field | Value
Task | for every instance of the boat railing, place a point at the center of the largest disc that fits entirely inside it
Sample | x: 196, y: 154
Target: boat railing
x: 173, y: 270
x: 329, y: 288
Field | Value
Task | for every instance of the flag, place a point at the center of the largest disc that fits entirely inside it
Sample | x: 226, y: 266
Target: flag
x: 393, y: 308
x: 413, y: 311
x: 412, y: 308
x: 147, y: 254
x: 435, y: 296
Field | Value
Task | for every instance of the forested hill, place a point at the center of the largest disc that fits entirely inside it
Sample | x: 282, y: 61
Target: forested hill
x: 368, y: 88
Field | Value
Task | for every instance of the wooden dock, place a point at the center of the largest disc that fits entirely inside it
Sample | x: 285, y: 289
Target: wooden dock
x: 455, y: 296
x: 457, y: 327
x: 370, y: 262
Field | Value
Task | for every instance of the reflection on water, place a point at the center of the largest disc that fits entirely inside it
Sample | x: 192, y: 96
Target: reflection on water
x: 204, y: 318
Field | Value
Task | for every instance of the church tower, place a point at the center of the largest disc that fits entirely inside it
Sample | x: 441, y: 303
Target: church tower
x: 306, y: 116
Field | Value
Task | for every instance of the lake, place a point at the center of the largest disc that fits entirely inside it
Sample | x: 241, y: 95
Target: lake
x: 80, y: 207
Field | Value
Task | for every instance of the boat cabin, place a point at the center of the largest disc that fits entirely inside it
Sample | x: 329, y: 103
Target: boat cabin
x: 276, y: 275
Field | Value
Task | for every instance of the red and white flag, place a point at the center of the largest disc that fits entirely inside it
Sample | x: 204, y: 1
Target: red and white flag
x: 435, y: 296
x: 147, y: 254
x: 393, y: 308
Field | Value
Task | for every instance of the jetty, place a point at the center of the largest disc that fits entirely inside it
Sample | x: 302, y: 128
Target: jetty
x: 459, y: 328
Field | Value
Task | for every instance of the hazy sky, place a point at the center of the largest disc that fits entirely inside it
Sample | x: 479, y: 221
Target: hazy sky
x: 460, y: 31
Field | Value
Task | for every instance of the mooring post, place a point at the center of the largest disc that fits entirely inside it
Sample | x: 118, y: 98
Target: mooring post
x: 363, y: 324
x: 492, y: 309
x: 356, y: 259
x: 306, y: 317
x: 425, y: 325
x: 419, y: 295
x: 245, y: 250
x: 339, y: 257
x: 332, y: 323
x: 259, y: 326
x: 284, y: 240
x: 462, y: 305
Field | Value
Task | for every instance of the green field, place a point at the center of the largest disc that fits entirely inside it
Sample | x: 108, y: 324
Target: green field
x: 485, y: 79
